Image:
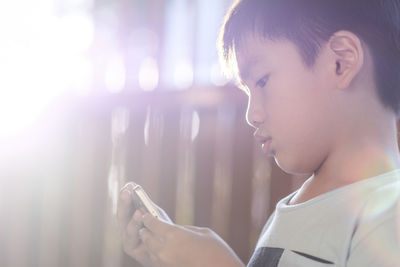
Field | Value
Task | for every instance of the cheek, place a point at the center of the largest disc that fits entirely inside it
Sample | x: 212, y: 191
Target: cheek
x: 301, y: 143
x: 300, y: 157
x: 301, y: 120
x: 301, y: 131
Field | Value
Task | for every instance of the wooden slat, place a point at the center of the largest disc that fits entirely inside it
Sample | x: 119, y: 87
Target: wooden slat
x: 242, y: 176
x: 90, y: 175
x: 120, y: 124
x: 222, y: 185
x: 151, y: 154
x: 260, y: 196
x: 135, y: 145
x: 184, y: 213
x: 17, y: 216
x: 169, y: 161
x: 128, y: 160
x: 100, y: 164
x: 204, y: 169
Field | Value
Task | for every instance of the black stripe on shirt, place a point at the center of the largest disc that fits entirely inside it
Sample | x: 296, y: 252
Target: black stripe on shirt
x: 312, y: 257
x: 266, y: 257
x: 270, y: 257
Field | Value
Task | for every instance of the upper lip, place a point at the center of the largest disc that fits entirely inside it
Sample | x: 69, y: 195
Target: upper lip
x: 261, y: 138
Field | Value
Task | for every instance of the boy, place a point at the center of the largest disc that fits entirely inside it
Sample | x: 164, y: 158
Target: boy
x: 323, y: 80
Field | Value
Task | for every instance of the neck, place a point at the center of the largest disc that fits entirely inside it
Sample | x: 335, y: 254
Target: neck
x: 360, y: 157
x: 357, y: 159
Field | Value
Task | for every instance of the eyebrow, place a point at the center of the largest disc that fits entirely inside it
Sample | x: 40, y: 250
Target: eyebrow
x: 246, y: 67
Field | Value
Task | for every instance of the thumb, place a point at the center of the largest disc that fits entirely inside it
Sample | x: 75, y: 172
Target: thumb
x: 156, y: 225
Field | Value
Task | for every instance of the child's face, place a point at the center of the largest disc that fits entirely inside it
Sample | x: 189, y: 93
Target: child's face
x: 288, y: 102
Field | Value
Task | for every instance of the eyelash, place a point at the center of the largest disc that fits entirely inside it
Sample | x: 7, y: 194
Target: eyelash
x: 263, y: 81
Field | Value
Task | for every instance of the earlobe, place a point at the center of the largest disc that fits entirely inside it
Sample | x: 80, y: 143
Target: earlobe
x: 349, y: 56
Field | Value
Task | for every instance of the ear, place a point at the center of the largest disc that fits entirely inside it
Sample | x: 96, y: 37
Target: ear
x: 349, y: 57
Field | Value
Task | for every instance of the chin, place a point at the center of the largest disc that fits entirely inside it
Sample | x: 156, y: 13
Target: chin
x: 292, y: 168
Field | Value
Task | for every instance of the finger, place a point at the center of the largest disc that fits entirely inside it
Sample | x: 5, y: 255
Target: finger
x: 156, y: 225
x: 194, y: 228
x: 134, y: 224
x: 141, y: 254
x: 130, y: 234
x: 198, y: 230
x: 124, y: 207
x: 152, y: 242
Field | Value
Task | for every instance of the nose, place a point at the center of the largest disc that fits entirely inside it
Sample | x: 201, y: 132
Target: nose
x: 254, y: 114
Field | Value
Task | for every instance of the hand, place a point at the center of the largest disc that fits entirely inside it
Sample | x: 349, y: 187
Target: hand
x: 130, y: 224
x: 169, y: 244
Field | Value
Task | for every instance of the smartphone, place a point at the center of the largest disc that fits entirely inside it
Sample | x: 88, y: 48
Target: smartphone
x: 144, y: 201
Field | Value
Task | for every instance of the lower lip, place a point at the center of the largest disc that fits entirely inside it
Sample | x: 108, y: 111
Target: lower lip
x: 266, y: 146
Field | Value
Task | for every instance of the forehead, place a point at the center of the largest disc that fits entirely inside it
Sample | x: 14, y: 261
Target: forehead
x: 254, y: 50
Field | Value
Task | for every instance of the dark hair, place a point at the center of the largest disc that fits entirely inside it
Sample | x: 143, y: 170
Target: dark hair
x: 310, y: 23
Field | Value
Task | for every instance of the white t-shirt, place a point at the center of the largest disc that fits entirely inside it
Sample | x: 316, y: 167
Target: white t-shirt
x: 355, y: 225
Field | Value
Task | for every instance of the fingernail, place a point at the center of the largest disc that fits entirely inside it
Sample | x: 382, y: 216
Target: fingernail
x: 130, y: 185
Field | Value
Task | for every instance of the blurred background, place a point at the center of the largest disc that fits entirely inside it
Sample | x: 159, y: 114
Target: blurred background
x: 97, y: 93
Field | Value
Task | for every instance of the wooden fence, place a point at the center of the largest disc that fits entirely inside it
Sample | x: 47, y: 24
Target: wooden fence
x: 191, y: 150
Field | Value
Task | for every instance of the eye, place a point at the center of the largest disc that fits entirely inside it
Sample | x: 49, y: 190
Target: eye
x: 263, y: 81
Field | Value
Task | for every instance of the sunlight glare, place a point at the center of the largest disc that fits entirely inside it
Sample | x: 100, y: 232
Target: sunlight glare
x: 183, y: 74
x: 41, y: 57
x: 148, y: 74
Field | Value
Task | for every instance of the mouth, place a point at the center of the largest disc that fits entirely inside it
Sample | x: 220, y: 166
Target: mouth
x: 266, y: 145
x: 264, y: 140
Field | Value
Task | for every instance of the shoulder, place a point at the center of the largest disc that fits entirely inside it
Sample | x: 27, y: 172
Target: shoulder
x: 376, y: 239
x: 380, y: 212
x: 382, y: 203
